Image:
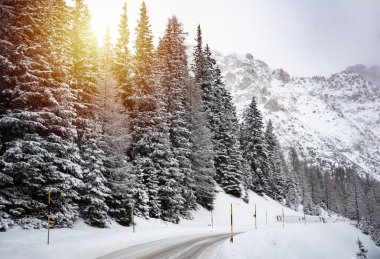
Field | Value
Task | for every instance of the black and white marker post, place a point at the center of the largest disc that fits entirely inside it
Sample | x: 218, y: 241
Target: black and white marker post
x: 232, y: 226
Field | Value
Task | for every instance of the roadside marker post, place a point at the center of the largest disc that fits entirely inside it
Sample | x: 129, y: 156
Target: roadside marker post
x: 133, y: 216
x: 266, y: 217
x: 232, y: 226
x: 304, y: 217
x: 283, y: 218
x: 212, y: 220
x: 255, y: 216
x: 48, y: 218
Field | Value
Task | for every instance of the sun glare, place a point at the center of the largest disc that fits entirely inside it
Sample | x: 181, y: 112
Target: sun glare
x: 106, y: 14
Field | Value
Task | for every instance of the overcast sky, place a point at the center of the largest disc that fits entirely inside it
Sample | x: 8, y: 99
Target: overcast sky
x: 305, y: 37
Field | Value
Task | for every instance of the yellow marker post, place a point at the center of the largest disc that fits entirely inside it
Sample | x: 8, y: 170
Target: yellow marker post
x: 48, y: 218
x: 283, y: 218
x: 133, y: 216
x: 232, y: 226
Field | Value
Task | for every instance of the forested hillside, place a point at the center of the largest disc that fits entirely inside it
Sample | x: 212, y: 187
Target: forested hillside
x: 102, y: 127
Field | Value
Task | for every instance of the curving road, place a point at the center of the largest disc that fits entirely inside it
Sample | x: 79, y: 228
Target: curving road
x: 179, y: 247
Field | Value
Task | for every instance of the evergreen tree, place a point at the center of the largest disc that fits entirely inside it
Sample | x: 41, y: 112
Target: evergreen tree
x: 328, y: 190
x: 300, y: 169
x: 84, y: 69
x: 122, y: 64
x: 202, y: 150
x: 340, y: 195
x: 292, y: 190
x: 175, y: 82
x: 141, y: 106
x: 314, y: 176
x: 93, y: 203
x: 199, y: 60
x: 106, y: 84
x: 203, y: 153
x: 292, y: 182
x: 140, y: 103
x: 355, y: 204
x: 228, y: 157
x: 37, y: 153
x: 114, y: 139
x: 255, y: 148
x: 307, y: 200
x: 222, y: 118
x: 362, y: 253
x: 277, y: 182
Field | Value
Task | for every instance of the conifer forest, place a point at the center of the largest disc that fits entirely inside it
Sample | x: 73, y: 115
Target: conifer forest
x: 103, y: 125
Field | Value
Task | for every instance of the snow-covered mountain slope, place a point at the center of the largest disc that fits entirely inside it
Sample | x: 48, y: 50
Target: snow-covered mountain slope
x: 372, y: 74
x: 332, y: 121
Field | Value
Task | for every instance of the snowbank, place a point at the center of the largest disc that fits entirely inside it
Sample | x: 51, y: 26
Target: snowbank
x: 270, y: 240
x: 295, y: 241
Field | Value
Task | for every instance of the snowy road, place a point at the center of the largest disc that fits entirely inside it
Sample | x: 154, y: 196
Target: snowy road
x: 180, y: 247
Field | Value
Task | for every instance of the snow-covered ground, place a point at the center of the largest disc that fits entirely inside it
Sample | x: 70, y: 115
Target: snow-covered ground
x: 295, y: 241
x: 270, y: 240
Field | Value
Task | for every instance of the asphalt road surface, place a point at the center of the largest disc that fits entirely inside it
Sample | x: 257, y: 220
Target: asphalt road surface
x: 179, y: 247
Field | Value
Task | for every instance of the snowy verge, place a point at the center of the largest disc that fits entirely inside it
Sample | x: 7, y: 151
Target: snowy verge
x: 88, y: 242
x: 295, y: 241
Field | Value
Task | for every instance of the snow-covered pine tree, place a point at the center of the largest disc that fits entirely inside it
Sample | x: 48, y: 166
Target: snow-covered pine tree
x: 221, y: 114
x: 199, y: 66
x: 373, y: 207
x: 122, y: 64
x: 362, y: 253
x: 299, y: 167
x: 164, y: 165
x: 166, y: 199
x: 93, y: 199
x: 255, y: 149
x: 339, y: 197
x: 106, y: 84
x: 315, y: 177
x: 115, y: 138
x: 175, y: 82
x: 292, y: 190
x: 85, y: 71
x: 37, y: 153
x: 277, y: 183
x: 355, y: 191
x: 201, y: 135
x: 85, y: 65
x: 202, y: 155
x: 291, y: 183
x: 139, y: 99
x: 327, y: 190
x: 307, y: 200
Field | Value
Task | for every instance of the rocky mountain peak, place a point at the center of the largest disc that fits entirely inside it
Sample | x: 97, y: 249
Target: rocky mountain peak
x: 372, y: 74
x: 332, y: 121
